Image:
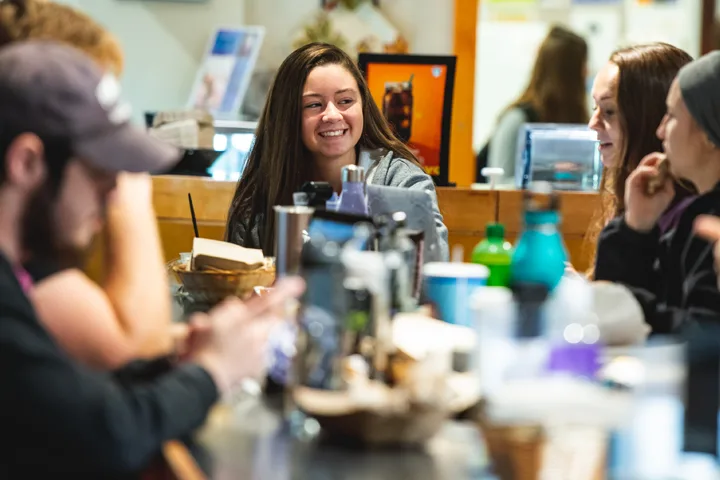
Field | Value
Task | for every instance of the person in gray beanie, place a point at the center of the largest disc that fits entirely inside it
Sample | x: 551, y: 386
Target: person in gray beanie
x: 672, y: 274
x: 699, y: 84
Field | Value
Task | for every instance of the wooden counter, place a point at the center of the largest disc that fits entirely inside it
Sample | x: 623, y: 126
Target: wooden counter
x: 465, y: 211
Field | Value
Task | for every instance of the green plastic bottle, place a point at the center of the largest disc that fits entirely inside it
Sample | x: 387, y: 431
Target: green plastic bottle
x: 496, y: 254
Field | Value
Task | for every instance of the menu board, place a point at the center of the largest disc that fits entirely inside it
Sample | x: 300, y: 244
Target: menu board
x: 415, y: 95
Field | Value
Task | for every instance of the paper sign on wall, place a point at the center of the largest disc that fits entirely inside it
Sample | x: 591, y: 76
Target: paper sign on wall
x: 505, y: 57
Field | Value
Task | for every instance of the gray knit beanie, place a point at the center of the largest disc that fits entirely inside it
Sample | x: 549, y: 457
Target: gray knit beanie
x: 700, y: 86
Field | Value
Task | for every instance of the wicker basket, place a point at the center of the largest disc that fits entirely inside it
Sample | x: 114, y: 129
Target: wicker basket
x: 515, y: 452
x: 211, y: 287
x: 408, y: 429
x: 340, y: 417
x: 519, y: 452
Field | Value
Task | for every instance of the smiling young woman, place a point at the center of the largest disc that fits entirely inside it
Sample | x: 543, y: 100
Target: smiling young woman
x: 332, y: 121
x: 629, y: 94
x: 319, y: 117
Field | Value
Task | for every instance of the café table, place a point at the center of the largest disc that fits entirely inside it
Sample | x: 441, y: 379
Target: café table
x: 250, y: 440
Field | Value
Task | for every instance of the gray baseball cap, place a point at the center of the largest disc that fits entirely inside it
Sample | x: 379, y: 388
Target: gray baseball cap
x: 56, y: 91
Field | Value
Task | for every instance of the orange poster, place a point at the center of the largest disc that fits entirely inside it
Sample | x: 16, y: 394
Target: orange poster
x: 415, y: 95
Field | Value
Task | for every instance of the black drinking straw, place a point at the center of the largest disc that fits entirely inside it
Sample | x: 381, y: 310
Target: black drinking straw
x: 192, y: 214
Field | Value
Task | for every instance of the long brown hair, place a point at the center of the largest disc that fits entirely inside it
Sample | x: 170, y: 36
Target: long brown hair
x: 645, y: 73
x: 557, y: 89
x: 279, y: 163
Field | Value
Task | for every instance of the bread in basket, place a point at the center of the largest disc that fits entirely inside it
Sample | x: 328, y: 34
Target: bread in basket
x: 217, y: 270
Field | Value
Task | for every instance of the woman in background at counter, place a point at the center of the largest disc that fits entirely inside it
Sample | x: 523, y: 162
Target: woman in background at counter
x: 319, y: 117
x: 672, y: 273
x: 129, y: 317
x: 629, y: 94
x: 556, y: 93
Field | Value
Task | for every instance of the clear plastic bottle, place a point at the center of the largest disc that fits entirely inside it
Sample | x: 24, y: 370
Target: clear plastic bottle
x: 400, y: 258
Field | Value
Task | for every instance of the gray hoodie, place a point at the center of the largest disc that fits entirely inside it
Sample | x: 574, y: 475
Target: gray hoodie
x: 382, y: 168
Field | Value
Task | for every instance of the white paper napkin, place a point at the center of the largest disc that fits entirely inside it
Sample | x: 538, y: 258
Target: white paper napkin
x: 620, y: 318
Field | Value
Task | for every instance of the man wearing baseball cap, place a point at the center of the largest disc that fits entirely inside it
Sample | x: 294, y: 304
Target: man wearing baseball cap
x: 64, y: 137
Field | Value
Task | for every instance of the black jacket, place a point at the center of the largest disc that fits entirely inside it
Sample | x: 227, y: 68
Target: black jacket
x: 671, y: 275
x: 59, y: 418
x: 674, y: 280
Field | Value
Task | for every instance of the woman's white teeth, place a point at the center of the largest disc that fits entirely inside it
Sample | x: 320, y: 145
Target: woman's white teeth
x: 334, y: 133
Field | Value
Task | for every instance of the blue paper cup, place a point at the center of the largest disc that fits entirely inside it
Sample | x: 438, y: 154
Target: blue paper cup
x: 449, y: 286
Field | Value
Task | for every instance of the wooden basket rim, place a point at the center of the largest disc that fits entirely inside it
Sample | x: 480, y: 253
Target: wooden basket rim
x: 181, y: 270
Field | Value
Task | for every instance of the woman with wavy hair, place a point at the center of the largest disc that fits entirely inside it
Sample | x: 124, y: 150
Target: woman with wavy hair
x: 318, y: 118
x: 629, y: 94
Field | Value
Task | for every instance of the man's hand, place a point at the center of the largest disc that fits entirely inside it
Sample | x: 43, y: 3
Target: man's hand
x: 230, y: 341
x: 134, y: 191
x: 642, y: 211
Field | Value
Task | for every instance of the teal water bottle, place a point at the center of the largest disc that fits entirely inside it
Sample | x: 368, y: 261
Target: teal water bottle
x: 540, y: 253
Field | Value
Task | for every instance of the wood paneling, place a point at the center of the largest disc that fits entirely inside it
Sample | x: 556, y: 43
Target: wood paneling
x: 466, y: 212
x: 462, y: 164
x: 177, y: 235
x: 708, y: 33
x: 211, y: 199
x: 576, y: 209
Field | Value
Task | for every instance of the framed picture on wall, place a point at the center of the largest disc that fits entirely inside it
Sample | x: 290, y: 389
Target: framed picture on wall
x: 415, y: 93
x: 226, y: 69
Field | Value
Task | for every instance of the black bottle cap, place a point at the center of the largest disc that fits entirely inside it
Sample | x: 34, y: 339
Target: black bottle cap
x: 318, y: 193
x: 527, y: 292
x: 529, y: 298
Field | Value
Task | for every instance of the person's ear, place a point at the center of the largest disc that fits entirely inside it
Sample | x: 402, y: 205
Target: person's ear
x: 24, y: 161
x: 707, y: 144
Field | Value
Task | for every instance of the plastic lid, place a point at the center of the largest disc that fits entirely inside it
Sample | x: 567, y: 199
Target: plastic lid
x: 400, y: 219
x: 455, y: 270
x: 495, y: 231
x: 492, y: 174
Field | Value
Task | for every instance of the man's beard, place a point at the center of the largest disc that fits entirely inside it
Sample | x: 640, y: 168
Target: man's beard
x: 40, y: 236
